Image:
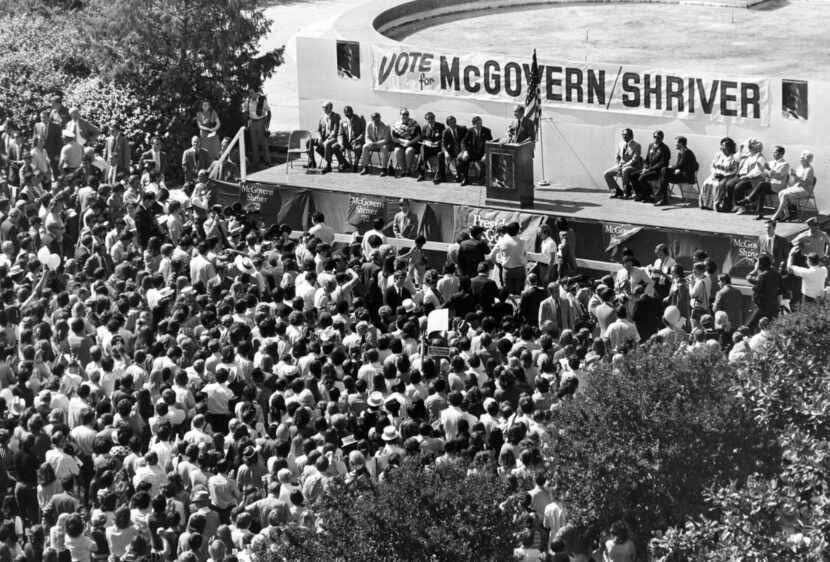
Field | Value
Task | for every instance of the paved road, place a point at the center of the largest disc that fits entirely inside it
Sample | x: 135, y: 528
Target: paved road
x: 289, y: 18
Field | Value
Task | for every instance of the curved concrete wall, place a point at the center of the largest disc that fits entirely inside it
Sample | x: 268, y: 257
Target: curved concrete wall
x: 400, y: 20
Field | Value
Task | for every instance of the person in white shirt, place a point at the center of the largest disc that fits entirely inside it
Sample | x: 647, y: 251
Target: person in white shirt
x: 321, y: 230
x: 451, y: 415
x: 813, y: 277
x: 622, y: 332
x: 218, y: 396
x: 376, y: 230
x: 152, y: 473
x: 510, y: 252
x: 307, y: 289
x: 630, y: 276
x: 548, y: 248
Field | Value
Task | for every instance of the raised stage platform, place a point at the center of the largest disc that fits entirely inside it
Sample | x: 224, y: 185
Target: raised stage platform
x: 582, y: 204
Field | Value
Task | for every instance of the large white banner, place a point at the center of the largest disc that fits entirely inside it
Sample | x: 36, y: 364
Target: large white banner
x: 619, y: 89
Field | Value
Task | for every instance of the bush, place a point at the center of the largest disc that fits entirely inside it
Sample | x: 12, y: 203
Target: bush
x: 784, y: 515
x: 643, y: 442
x: 416, y: 514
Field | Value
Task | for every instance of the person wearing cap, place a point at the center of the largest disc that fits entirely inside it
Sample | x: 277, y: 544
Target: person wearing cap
x: 814, y: 240
x: 328, y: 127
x: 350, y: 139
x: 204, y: 512
x: 390, y: 438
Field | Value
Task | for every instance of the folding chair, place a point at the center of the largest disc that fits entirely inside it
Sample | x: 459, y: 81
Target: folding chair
x: 691, y: 186
x: 297, y: 146
x: 803, y: 205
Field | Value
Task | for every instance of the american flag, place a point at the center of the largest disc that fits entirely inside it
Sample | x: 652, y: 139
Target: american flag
x: 533, y: 103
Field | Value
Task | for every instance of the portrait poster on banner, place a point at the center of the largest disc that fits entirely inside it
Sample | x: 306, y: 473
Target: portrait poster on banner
x: 794, y: 99
x: 574, y: 85
x: 348, y: 59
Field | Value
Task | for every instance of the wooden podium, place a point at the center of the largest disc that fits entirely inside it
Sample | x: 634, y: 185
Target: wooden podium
x: 509, y: 174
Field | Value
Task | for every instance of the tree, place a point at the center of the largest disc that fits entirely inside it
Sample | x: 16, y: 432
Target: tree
x: 31, y: 68
x: 176, y: 53
x: 417, y: 513
x: 642, y: 442
x: 784, y: 515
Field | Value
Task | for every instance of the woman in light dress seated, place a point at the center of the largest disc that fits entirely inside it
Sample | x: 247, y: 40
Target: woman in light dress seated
x: 801, y: 186
x: 724, y: 167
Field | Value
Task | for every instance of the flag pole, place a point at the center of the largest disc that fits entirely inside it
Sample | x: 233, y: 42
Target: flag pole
x: 537, y: 78
x: 543, y: 182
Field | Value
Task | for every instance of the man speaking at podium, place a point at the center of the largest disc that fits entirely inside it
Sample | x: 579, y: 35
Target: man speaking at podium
x: 521, y: 129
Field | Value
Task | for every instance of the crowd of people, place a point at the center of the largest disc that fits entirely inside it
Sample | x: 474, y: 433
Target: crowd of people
x: 183, y: 383
x: 740, y: 179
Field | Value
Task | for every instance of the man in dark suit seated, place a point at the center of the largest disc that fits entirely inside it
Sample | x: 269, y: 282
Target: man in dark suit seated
x: 658, y: 157
x: 394, y: 296
x: 684, y: 170
x: 451, y: 145
x: 473, y: 147
x: 351, y: 138
x: 431, y: 136
x: 520, y: 129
